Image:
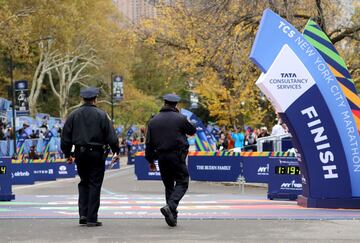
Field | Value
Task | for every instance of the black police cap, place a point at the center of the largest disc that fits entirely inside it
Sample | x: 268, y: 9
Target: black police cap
x: 90, y: 92
x: 171, y: 98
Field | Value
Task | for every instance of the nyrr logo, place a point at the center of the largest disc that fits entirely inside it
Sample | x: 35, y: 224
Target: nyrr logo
x: 63, y: 170
x: 264, y: 170
x: 291, y: 186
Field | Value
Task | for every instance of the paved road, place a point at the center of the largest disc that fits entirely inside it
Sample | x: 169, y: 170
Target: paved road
x: 203, y: 218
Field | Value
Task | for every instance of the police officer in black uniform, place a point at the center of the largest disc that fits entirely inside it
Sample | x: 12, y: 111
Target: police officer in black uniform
x: 166, y: 142
x: 90, y: 130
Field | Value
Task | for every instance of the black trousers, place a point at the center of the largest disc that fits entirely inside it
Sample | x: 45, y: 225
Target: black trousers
x: 175, y: 176
x: 91, y: 169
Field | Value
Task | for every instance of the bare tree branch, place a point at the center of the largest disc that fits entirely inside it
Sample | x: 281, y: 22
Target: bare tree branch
x: 52, y: 84
x: 348, y: 32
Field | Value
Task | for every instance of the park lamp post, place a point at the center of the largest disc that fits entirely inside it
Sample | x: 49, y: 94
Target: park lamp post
x: 11, y: 71
x: 112, y: 97
x: 119, y: 91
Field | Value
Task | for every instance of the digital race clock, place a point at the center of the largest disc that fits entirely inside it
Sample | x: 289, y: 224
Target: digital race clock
x: 287, y: 170
x: 2, y: 170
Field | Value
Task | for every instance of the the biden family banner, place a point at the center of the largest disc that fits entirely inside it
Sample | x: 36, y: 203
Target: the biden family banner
x: 304, y: 91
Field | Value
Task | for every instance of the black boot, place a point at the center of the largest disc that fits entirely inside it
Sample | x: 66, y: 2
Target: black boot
x: 82, y: 220
x: 93, y: 224
x: 169, y: 217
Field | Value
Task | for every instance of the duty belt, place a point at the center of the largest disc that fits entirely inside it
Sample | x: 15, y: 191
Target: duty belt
x: 83, y: 148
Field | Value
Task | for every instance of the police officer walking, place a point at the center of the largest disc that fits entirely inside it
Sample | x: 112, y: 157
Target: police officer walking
x: 166, y: 142
x: 89, y: 129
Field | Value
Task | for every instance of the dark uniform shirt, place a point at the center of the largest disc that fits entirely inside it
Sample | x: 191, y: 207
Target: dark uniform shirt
x: 88, y: 126
x: 167, y: 132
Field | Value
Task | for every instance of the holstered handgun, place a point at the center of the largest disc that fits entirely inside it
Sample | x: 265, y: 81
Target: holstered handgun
x: 183, y: 154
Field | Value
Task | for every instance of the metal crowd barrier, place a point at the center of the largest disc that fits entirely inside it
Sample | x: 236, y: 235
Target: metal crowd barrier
x: 23, y: 146
x: 280, y: 143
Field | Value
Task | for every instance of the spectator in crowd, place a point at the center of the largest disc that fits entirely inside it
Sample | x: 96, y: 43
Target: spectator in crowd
x: 25, y: 131
x: 257, y: 132
x: 2, y: 131
x: 32, y: 153
x: 238, y: 137
x: 9, y: 133
x: 286, y: 129
x: 55, y: 131
x: 230, y: 140
x: 263, y: 132
x: 122, y: 143
x: 250, y: 140
x: 135, y: 141
x: 44, y: 130
x: 34, y: 134
x: 222, y: 144
x: 128, y: 145
x: 277, y: 129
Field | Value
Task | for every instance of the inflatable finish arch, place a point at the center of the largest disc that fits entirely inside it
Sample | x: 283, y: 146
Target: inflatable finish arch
x: 298, y: 82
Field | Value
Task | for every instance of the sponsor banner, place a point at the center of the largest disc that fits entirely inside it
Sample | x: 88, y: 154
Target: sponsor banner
x: 118, y: 88
x: 284, y: 178
x: 22, y: 174
x: 300, y: 85
x: 134, y: 149
x: 4, y: 105
x: 204, y: 140
x: 217, y: 168
x: 142, y: 170
x: 5, y: 180
x: 44, y: 172
x: 256, y: 169
x: 63, y: 170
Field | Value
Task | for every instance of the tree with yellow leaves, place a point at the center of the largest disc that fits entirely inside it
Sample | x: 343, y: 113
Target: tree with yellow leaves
x: 210, y: 41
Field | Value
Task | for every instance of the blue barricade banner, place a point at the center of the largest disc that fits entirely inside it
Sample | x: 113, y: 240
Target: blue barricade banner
x: 214, y: 168
x: 5, y: 180
x: 142, y: 170
x: 133, y: 150
x: 256, y: 169
x: 6, y: 148
x: 22, y: 174
x: 63, y: 170
x: 108, y: 164
x: 44, y: 171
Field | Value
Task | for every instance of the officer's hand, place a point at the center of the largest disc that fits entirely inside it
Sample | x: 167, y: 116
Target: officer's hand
x: 152, y: 167
x: 115, y: 158
x: 70, y: 160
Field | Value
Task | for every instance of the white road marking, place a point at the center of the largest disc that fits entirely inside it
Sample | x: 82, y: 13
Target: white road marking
x: 109, y: 174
